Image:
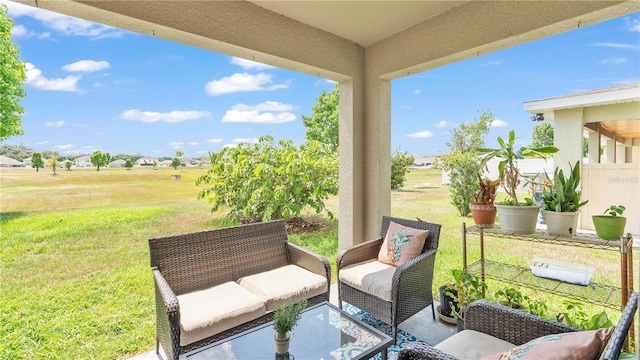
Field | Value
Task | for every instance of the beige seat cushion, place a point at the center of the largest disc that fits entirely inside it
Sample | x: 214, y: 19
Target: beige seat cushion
x: 371, y: 277
x: 279, y: 285
x: 472, y: 345
x: 208, y: 312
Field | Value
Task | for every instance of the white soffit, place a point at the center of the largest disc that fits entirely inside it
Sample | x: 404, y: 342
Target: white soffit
x: 606, y: 96
x: 363, y: 22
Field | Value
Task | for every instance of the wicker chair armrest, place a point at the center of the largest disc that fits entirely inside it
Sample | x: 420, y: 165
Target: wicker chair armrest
x: 309, y: 260
x: 616, y: 342
x: 421, y: 351
x: 168, y: 297
x: 358, y: 253
x: 418, y: 267
x: 514, y: 326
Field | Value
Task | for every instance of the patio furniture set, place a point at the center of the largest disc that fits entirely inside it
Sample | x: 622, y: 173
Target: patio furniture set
x: 217, y: 291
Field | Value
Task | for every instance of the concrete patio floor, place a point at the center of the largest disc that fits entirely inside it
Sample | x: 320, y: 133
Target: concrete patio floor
x: 421, y: 325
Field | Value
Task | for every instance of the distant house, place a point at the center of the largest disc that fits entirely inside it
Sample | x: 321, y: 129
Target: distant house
x: 83, y: 162
x: 165, y: 163
x: 7, y: 162
x: 424, y: 161
x: 145, y: 161
x: 27, y: 162
x: 117, y: 163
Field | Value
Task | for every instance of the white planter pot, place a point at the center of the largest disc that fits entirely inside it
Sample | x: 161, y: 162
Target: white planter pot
x: 518, y: 219
x: 561, y: 223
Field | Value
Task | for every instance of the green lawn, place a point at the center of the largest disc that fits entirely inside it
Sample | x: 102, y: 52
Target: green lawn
x: 74, y: 263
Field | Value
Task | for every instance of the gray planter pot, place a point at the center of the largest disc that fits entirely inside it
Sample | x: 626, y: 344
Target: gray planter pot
x: 561, y: 223
x: 518, y: 219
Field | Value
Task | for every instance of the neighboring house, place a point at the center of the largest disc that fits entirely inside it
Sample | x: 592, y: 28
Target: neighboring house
x: 117, y: 163
x: 145, y: 161
x: 424, y: 161
x: 165, y: 163
x: 8, y: 162
x: 27, y: 162
x: 83, y: 162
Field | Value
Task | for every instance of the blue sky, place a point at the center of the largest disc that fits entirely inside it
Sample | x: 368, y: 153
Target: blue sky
x: 93, y: 87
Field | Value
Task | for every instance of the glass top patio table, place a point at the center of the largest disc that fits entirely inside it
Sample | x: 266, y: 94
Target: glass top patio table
x: 323, y: 332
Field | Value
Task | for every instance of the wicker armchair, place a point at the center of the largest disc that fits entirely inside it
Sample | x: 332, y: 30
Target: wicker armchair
x: 186, y: 263
x: 518, y: 327
x: 411, y: 284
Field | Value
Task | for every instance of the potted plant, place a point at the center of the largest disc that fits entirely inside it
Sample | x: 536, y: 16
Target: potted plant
x: 448, y: 296
x: 285, y: 319
x: 512, y: 298
x: 483, y: 211
x: 467, y: 288
x: 515, y: 217
x: 561, y: 202
x: 611, y: 226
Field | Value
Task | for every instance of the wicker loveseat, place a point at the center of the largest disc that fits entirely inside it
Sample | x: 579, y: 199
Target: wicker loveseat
x: 216, y: 283
x: 496, y: 324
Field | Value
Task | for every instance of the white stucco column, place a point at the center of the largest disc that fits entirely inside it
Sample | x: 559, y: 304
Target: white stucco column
x: 621, y: 153
x: 351, y: 195
x: 377, y: 153
x: 567, y: 138
x: 610, y: 150
x: 594, y: 147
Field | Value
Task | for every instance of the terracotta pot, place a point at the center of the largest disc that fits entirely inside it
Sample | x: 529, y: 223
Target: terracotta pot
x: 483, y: 215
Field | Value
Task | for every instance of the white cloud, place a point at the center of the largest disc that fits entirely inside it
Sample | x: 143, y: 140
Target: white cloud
x: 193, y: 143
x: 176, y: 145
x: 421, y: 135
x: 614, y: 60
x: 242, y: 82
x: 499, y: 123
x: 617, y: 46
x: 245, y: 140
x: 54, y: 123
x: 19, y: 31
x: 493, y: 63
x: 215, y: 140
x: 87, y: 66
x: 268, y: 112
x: 633, y: 24
x: 169, y: 117
x: 441, y: 124
x: 66, y: 147
x: 63, y: 24
x: 248, y: 64
x: 42, y: 143
x: 417, y: 92
x: 36, y: 80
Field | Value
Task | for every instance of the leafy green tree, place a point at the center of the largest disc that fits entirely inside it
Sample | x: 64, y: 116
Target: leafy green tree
x: 175, y: 162
x: 99, y: 159
x: 271, y: 181
x: 400, y: 164
x: 179, y: 156
x: 323, y: 124
x: 18, y: 152
x: 155, y: 164
x: 36, y: 161
x: 53, y: 162
x: 542, y: 135
x: 461, y: 162
x: 128, y: 164
x: 13, y: 75
x: 68, y: 165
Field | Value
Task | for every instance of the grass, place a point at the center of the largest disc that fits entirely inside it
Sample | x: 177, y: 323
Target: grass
x: 74, y: 262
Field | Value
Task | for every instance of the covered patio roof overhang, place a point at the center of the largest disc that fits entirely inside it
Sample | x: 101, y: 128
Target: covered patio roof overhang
x: 362, y: 45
